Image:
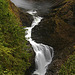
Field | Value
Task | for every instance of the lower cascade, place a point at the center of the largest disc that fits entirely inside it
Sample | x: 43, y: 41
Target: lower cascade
x: 44, y: 53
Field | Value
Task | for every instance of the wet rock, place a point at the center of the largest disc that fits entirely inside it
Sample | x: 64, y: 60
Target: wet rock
x: 57, y: 30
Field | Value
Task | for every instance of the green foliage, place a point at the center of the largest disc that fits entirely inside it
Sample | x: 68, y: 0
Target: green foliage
x: 69, y: 67
x: 14, y: 59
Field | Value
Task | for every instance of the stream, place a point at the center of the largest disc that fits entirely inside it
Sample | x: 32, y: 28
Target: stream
x: 44, y: 53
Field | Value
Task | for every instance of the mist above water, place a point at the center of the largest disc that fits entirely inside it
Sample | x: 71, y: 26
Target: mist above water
x: 35, y: 5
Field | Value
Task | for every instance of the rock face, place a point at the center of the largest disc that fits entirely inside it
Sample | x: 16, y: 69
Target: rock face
x: 57, y: 29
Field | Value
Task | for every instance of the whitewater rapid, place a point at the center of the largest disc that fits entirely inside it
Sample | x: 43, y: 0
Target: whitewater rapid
x: 44, y: 53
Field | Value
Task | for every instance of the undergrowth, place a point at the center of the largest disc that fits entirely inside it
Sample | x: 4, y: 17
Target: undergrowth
x: 14, y: 59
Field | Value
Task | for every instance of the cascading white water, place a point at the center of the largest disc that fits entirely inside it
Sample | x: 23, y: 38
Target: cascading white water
x: 44, y: 53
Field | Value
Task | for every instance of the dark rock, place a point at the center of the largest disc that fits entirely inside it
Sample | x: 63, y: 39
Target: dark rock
x: 57, y: 30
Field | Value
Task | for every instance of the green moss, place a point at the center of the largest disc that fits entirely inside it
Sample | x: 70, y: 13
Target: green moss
x: 69, y: 67
x: 14, y: 59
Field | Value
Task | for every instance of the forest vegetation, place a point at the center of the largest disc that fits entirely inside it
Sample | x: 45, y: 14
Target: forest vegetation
x: 14, y: 59
x: 69, y: 67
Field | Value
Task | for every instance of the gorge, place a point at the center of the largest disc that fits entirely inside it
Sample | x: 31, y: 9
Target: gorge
x: 44, y: 53
x: 45, y: 24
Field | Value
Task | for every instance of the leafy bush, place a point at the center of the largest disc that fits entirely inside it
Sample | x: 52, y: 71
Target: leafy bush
x: 69, y: 67
x: 14, y: 59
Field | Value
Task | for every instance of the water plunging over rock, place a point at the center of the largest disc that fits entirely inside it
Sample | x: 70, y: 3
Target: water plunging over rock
x: 44, y: 53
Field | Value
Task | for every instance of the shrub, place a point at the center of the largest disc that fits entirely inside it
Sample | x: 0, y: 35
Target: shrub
x: 69, y: 67
x: 14, y: 59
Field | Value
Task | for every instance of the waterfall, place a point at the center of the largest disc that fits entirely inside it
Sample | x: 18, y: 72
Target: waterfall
x: 44, y: 53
